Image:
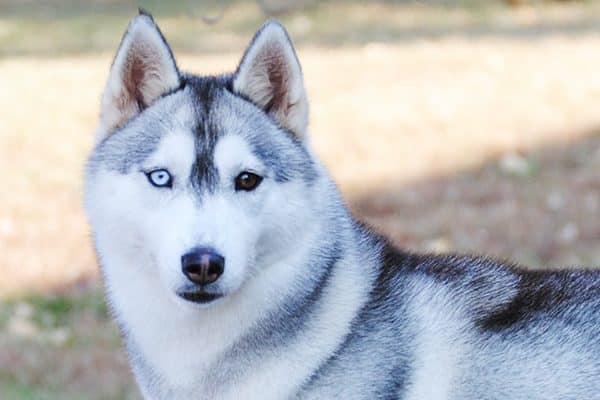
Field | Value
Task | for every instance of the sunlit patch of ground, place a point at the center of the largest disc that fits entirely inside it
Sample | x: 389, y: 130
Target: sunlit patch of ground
x: 381, y: 115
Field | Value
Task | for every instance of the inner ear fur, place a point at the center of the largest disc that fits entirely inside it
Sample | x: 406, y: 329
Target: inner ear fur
x: 142, y: 71
x: 270, y: 76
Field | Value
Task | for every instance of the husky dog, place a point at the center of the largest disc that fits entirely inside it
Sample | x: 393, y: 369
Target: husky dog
x: 235, y: 270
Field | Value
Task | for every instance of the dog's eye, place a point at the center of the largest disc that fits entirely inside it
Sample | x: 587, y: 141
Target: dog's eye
x: 160, y: 178
x: 247, y: 181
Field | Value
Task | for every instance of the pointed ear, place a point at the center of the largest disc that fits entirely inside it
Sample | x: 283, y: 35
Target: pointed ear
x: 271, y: 77
x: 143, y: 70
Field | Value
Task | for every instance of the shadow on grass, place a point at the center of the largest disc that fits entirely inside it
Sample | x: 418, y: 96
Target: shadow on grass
x: 540, y: 208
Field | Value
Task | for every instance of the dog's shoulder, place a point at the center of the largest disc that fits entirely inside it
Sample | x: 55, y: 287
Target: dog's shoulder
x: 565, y: 296
x: 467, y: 276
x: 497, y: 295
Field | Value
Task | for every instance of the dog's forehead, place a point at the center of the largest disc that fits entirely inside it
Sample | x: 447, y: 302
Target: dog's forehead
x: 230, y: 132
x: 206, y: 111
x: 141, y: 137
x: 243, y: 128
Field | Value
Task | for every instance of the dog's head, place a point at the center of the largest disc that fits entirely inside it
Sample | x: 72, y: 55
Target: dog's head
x: 201, y: 182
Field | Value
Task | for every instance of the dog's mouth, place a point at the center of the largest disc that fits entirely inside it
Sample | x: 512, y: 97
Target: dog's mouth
x: 200, y: 296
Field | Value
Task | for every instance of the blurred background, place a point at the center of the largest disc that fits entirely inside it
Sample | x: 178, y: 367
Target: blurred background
x: 463, y: 125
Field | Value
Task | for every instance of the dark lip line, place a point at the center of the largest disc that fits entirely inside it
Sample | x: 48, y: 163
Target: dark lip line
x: 199, y: 297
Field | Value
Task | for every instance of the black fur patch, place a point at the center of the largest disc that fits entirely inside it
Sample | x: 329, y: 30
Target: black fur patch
x: 539, y: 292
x: 204, y: 174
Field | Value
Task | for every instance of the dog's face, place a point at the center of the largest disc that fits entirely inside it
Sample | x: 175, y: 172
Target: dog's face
x: 199, y: 182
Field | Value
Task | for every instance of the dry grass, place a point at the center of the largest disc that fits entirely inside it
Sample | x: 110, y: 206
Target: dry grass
x: 480, y: 142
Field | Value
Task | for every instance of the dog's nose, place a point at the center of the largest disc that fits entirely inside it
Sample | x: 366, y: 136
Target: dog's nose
x: 202, y: 265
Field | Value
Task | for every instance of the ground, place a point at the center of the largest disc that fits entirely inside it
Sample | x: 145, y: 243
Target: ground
x: 465, y: 128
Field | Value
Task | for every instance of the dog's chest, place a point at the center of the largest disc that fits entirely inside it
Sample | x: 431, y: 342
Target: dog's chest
x: 266, y: 380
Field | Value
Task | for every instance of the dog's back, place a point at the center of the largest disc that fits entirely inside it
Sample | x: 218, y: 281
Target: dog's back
x: 464, y: 327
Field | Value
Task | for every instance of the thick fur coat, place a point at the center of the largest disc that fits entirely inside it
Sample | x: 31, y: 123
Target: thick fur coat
x: 310, y: 304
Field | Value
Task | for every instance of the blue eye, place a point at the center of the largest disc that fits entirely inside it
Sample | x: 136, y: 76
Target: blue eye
x: 160, y: 178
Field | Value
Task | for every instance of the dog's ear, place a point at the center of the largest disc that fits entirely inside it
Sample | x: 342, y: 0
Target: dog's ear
x: 143, y: 70
x: 270, y: 76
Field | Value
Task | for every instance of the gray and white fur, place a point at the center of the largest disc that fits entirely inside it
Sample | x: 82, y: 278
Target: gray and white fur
x: 311, y: 304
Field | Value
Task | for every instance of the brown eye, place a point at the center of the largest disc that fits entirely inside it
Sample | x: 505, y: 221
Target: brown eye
x: 247, y: 181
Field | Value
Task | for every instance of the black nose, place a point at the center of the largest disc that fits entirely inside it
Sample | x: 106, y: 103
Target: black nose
x: 202, y: 265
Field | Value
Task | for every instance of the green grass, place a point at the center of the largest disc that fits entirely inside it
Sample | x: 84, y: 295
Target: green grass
x: 62, y: 346
x: 59, y: 310
x: 64, y: 27
x: 16, y: 391
x: 56, y: 310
